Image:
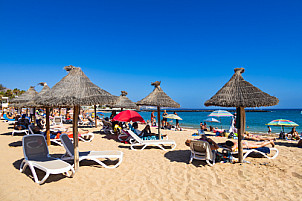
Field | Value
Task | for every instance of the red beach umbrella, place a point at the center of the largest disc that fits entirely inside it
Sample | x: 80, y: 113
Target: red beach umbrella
x: 127, y: 116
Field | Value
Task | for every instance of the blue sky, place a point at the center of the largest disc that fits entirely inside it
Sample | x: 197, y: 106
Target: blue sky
x: 191, y: 46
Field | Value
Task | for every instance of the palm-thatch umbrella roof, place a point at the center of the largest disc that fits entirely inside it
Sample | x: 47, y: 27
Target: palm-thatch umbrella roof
x: 32, y: 102
x: 124, y: 102
x: 160, y: 99
x: 25, y: 97
x: 240, y: 94
x: 75, y: 89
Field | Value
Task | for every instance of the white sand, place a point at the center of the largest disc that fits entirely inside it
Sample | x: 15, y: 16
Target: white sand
x: 153, y: 174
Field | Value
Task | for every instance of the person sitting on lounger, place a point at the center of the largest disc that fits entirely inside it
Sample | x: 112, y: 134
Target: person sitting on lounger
x: 248, y: 145
x: 213, y: 144
x: 248, y: 136
x: 293, y: 134
x: 22, y: 123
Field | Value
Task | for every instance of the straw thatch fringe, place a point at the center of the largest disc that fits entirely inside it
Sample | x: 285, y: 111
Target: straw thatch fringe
x: 124, y: 102
x: 239, y: 93
x: 25, y: 97
x: 75, y: 89
x: 158, y: 98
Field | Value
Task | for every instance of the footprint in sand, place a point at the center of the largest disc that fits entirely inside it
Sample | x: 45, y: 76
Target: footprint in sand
x: 224, y: 196
x: 297, y: 175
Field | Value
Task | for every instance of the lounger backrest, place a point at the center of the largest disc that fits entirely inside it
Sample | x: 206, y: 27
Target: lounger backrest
x: 34, y: 147
x: 202, y: 148
x: 58, y: 120
x: 138, y: 139
x: 67, y: 144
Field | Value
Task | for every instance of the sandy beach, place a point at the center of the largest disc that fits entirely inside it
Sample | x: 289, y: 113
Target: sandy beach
x: 153, y: 174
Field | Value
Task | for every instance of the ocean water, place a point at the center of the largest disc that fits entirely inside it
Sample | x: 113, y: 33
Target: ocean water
x: 255, y: 121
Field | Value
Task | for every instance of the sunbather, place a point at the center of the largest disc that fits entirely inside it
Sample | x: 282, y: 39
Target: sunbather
x: 293, y: 134
x: 22, y: 123
x: 248, y: 136
x: 248, y: 145
x: 212, y: 143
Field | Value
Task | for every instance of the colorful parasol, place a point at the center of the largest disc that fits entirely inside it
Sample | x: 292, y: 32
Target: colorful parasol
x: 128, y: 115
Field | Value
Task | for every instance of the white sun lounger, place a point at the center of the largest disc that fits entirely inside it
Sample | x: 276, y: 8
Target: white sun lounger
x: 137, y: 141
x: 36, y: 155
x: 247, y: 152
x: 87, y: 137
x: 90, y: 155
x: 201, y: 150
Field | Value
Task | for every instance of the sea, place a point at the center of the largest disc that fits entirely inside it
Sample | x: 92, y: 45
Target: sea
x: 256, y: 120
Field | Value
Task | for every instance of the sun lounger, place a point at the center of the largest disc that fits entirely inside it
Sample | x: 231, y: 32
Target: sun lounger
x: 87, y: 137
x: 262, y: 150
x: 8, y: 120
x: 137, y: 141
x: 90, y: 155
x: 107, y: 127
x: 57, y: 121
x: 36, y: 155
x: 20, y: 131
x: 201, y: 150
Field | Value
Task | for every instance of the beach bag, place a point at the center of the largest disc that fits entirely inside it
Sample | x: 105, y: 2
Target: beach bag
x: 231, y: 135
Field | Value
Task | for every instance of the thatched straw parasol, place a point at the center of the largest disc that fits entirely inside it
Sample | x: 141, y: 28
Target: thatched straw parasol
x: 74, y: 90
x: 240, y: 94
x: 25, y: 97
x: 124, y: 102
x: 160, y: 99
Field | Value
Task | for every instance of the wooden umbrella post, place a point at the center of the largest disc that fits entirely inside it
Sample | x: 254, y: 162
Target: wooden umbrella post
x: 241, y: 132
x: 158, y: 119
x: 76, y: 110
x: 34, y: 116
x: 47, y: 127
x: 95, y: 117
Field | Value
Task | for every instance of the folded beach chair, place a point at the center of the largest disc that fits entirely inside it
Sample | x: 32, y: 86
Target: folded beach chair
x: 36, y: 155
x: 137, y: 141
x: 201, y: 150
x: 90, y: 155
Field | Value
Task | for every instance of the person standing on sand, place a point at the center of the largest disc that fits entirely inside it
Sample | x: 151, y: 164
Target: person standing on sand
x: 164, y: 119
x: 152, y: 118
x: 269, y: 130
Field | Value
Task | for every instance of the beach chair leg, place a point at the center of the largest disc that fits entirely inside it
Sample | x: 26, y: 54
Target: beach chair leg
x: 44, y: 178
x: 144, y: 147
x: 191, y: 158
x: 33, y: 171
x: 23, y: 166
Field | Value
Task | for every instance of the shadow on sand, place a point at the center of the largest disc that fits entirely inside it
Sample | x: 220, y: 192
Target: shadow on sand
x: 183, y: 156
x: 40, y: 174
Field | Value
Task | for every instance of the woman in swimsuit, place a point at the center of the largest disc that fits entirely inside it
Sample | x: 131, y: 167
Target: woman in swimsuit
x: 248, y: 145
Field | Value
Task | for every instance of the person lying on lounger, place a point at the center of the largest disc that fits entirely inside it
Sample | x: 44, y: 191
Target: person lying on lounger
x: 247, y: 144
x: 145, y: 132
x: 248, y: 136
x: 213, y: 144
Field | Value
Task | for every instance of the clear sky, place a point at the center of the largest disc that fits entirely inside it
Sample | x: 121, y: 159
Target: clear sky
x: 191, y: 46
